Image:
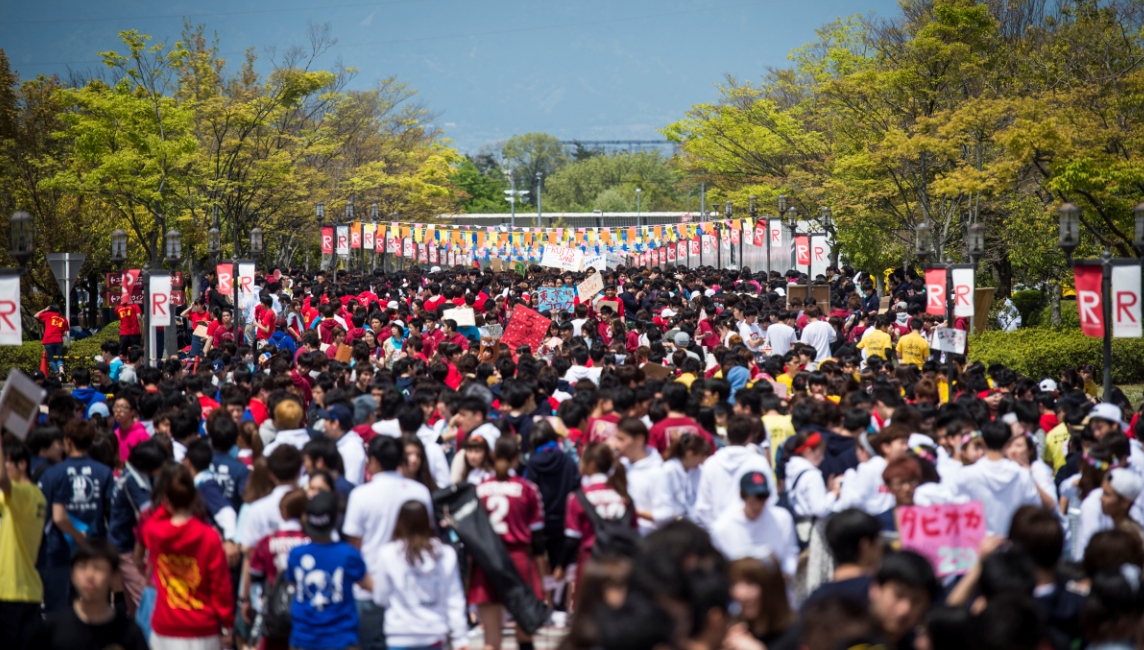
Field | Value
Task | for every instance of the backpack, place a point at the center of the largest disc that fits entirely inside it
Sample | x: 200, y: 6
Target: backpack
x: 614, y: 537
x: 803, y: 531
x: 276, y: 603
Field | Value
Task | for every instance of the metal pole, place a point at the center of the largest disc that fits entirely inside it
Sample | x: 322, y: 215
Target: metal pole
x: 512, y: 201
x: 639, y: 222
x: 949, y: 321
x: 539, y: 211
x: 67, y: 298
x: 145, y: 277
x: 1106, y: 291
x: 702, y: 206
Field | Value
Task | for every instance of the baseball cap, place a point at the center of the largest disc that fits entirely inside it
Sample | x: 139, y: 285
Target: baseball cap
x: 1048, y: 385
x: 1110, y: 412
x: 754, y: 484
x: 1126, y: 483
x: 682, y: 339
x: 435, y: 269
x: 340, y: 413
x: 321, y: 513
x: 364, y: 406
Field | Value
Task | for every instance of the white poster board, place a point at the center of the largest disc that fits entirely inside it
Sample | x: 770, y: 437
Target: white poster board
x: 562, y: 257
x: 20, y: 403
x: 948, y: 339
x: 464, y: 316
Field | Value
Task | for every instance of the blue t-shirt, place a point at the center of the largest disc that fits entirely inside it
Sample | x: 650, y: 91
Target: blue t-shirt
x: 130, y: 494
x: 323, y: 613
x: 231, y: 475
x: 83, y: 486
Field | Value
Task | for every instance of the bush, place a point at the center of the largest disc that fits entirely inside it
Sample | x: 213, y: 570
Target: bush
x: 1038, y: 353
x: 27, y: 357
x: 1029, y: 302
x: 1070, y: 319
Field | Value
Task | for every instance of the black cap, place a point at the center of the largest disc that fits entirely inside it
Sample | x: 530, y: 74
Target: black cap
x: 321, y: 513
x: 754, y: 484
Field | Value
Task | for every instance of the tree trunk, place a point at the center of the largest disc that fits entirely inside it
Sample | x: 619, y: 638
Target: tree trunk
x: 1055, y: 304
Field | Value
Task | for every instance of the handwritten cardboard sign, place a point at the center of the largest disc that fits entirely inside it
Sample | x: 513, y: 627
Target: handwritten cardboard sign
x: 562, y: 257
x: 526, y: 327
x: 463, y: 316
x: 555, y: 299
x: 947, y: 535
x: 590, y: 287
x: 598, y: 262
x: 948, y: 339
x: 614, y: 304
x: 19, y: 404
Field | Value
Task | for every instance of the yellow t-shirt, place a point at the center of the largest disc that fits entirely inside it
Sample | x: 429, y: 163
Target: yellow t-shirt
x: 21, y: 530
x: 875, y: 344
x: 912, y: 348
x: 1056, y: 441
x: 780, y: 428
x: 785, y: 380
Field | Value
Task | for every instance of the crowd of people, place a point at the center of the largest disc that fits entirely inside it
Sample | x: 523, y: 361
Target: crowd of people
x: 688, y: 460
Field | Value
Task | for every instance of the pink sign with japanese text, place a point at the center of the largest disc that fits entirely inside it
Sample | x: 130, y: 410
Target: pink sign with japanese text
x: 947, y: 535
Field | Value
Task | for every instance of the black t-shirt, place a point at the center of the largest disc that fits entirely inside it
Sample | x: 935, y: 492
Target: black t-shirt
x: 856, y: 589
x: 64, y: 631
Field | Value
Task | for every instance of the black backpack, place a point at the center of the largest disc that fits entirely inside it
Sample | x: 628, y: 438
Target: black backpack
x: 276, y: 620
x: 614, y: 537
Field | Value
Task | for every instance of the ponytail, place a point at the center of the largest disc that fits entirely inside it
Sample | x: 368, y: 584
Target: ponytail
x: 599, y: 456
x: 507, y: 452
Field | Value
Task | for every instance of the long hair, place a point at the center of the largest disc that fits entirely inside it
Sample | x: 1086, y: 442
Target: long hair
x: 507, y: 455
x: 415, y: 531
x: 774, y: 613
x: 599, y: 456
x: 424, y: 476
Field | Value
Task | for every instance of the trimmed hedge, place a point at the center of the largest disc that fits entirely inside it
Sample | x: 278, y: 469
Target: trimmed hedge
x: 27, y: 357
x: 1044, y: 352
x: 1029, y: 302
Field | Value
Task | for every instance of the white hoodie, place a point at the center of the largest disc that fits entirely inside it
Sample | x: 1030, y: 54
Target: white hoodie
x: 676, y: 497
x: 293, y: 437
x: 424, y: 604
x: 1002, y: 486
x: 808, y: 495
x: 719, y: 485
x: 865, y: 489
x: 645, y: 480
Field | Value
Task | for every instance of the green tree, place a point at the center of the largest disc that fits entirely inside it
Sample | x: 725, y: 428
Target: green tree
x: 609, y: 182
x: 477, y: 192
x: 529, y: 154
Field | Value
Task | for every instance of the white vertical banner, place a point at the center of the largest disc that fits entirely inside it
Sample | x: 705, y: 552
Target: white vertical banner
x: 1126, y: 307
x: 11, y: 329
x: 963, y: 292
x: 246, y: 277
x: 780, y: 245
x: 342, y: 240
x: 160, y: 299
x: 819, y: 255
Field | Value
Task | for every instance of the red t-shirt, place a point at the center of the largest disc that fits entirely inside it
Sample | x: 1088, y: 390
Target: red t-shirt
x: 514, y: 508
x: 207, y: 405
x: 272, y: 553
x: 258, y: 411
x: 601, y: 429
x: 669, y: 429
x: 608, y: 505
x: 196, y: 318
x: 266, y: 319
x: 129, y: 320
x: 54, y: 327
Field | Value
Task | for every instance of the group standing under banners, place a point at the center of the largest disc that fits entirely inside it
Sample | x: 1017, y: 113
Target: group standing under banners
x: 426, y: 459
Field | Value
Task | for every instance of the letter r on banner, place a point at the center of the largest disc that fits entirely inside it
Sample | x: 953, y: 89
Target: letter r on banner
x: 1089, y: 304
x: 935, y: 292
x: 11, y: 328
x: 1126, y: 307
x: 160, y: 299
x: 963, y: 292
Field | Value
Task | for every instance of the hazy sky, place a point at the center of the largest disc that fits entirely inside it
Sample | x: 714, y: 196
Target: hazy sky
x: 578, y: 69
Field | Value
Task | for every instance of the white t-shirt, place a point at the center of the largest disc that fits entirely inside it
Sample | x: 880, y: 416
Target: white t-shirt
x: 263, y: 517
x: 771, y: 534
x: 645, y: 479
x: 781, y: 337
x: 371, y: 514
x: 1002, y: 486
x: 352, y: 450
x: 820, y: 334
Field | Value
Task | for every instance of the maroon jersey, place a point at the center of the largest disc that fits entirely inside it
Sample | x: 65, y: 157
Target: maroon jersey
x: 607, y: 503
x: 603, y: 428
x: 514, y: 508
x: 272, y: 552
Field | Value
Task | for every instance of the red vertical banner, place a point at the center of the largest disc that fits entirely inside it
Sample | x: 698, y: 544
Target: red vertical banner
x: 935, y: 292
x: 226, y: 276
x: 1089, y: 299
x: 327, y: 241
x: 760, y: 234
x: 132, y: 288
x: 802, y: 250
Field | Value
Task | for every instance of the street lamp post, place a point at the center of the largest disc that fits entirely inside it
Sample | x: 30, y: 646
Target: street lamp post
x: 373, y: 224
x: 639, y: 192
x: 539, y: 211
x: 826, y: 217
x: 1069, y: 240
x: 792, y: 225
x: 174, y: 251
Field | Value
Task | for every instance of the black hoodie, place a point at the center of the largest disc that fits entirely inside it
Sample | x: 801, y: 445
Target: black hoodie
x: 556, y: 475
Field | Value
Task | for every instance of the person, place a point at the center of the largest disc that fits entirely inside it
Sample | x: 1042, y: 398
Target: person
x: 339, y: 422
x: 901, y: 593
x: 854, y: 538
x: 418, y: 584
x: 371, y: 514
x: 677, y: 423
x: 129, y: 430
x: 809, y: 497
x: 999, y: 483
x: 130, y: 498
x: 76, y: 490
x: 723, y: 471
x: 477, y: 462
x: 643, y: 467
x: 682, y: 470
x: 1120, y: 489
x: 194, y: 606
x: 556, y: 476
x: 22, y: 515
x: 603, y: 486
x: 759, y: 589
x: 913, y: 348
x: 130, y: 325
x: 92, y: 622
x: 517, y: 517
x: 818, y: 333
x: 757, y: 530
x: 323, y: 572
x: 55, y: 326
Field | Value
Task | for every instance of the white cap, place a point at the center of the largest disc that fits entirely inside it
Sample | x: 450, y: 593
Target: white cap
x: 1106, y: 411
x: 1048, y: 385
x: 435, y: 269
x: 920, y: 440
x: 1126, y: 483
